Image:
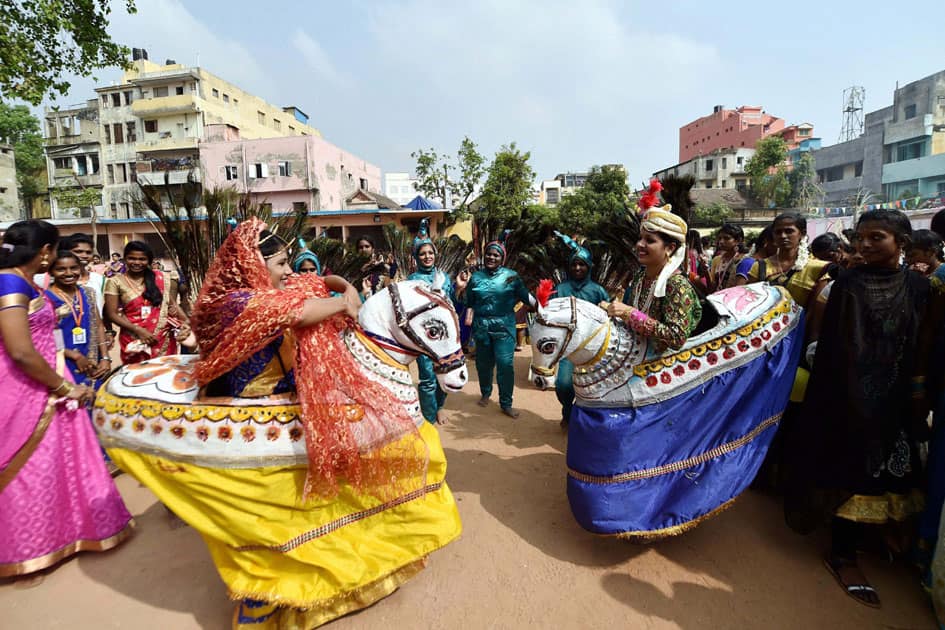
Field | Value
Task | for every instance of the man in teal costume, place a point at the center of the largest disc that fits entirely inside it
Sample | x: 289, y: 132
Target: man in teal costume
x: 579, y: 285
x: 432, y: 396
x: 491, y: 294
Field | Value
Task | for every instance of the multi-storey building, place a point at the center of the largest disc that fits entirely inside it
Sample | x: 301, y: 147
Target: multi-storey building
x: 914, y: 140
x: 722, y: 168
x: 551, y: 191
x: 901, y: 152
x: 154, y: 120
x: 401, y: 187
x: 742, y: 127
x: 73, y: 160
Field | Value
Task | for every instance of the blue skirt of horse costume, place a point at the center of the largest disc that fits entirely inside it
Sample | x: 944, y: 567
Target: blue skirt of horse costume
x: 697, y: 431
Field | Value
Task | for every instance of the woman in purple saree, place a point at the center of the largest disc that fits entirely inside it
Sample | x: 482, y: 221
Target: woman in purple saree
x: 56, y: 496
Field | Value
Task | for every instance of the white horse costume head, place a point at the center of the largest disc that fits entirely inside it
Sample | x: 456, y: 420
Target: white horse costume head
x: 568, y: 328
x: 411, y: 318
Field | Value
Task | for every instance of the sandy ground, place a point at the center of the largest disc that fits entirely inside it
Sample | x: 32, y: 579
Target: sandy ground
x: 522, y: 561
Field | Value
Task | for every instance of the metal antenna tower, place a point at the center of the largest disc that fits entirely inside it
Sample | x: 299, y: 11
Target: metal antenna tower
x: 853, y: 98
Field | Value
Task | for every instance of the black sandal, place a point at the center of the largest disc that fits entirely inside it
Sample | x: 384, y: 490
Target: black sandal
x: 856, y: 591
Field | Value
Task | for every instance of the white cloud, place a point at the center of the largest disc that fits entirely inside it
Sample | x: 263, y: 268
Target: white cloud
x: 545, y: 73
x: 316, y: 58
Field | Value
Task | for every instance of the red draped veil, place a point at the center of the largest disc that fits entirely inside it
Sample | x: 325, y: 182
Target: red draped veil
x: 335, y: 394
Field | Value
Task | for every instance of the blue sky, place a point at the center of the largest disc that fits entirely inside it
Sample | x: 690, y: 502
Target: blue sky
x: 575, y: 83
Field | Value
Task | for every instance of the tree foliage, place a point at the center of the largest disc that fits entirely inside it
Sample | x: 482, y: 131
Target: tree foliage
x: 44, y: 40
x: 20, y: 128
x: 768, y: 173
x: 605, y: 194
x: 711, y: 215
x: 505, y: 195
x: 433, y: 172
x: 805, y: 191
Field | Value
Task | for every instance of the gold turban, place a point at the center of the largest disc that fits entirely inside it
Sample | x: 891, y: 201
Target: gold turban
x: 664, y: 221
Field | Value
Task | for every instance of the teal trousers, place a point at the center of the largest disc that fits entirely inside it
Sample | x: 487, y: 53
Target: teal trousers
x: 495, y: 351
x: 432, y: 397
x: 564, y: 388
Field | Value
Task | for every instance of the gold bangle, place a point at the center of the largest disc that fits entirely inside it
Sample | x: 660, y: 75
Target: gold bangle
x: 57, y: 391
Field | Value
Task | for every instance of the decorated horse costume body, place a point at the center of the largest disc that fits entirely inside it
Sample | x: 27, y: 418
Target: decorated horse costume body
x: 235, y: 468
x: 659, y: 442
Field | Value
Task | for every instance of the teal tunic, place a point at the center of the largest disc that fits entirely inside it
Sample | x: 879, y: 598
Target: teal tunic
x: 492, y: 295
x: 589, y: 291
x: 432, y: 396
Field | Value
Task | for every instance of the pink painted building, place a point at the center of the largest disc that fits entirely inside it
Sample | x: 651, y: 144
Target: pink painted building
x: 736, y: 128
x: 338, y: 189
x: 288, y: 173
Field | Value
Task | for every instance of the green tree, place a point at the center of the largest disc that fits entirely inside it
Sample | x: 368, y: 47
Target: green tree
x: 605, y: 194
x: 508, y: 187
x: 42, y: 40
x: 711, y: 215
x: 433, y: 172
x: 471, y: 166
x: 805, y: 191
x: 20, y: 128
x: 768, y: 173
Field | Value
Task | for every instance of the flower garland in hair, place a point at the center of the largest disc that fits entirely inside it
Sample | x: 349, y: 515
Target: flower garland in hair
x: 803, y: 254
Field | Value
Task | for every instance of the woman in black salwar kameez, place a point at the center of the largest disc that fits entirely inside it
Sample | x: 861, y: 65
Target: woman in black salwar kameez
x: 853, y: 452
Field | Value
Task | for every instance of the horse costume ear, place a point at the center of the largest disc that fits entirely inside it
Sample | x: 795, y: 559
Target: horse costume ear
x: 439, y: 279
x: 545, y: 289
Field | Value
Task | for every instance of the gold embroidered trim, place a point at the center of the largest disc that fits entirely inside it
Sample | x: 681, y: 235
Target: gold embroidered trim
x: 311, y: 614
x: 347, y: 519
x: 672, y: 530
x: 879, y: 509
x: 646, y: 473
x: 261, y: 414
x: 658, y: 365
x: 48, y: 560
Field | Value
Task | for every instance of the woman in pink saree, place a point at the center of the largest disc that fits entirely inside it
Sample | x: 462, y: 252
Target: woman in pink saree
x: 143, y: 302
x: 56, y: 496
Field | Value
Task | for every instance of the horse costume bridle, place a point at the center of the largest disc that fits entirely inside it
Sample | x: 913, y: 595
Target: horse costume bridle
x: 569, y: 327
x: 441, y: 365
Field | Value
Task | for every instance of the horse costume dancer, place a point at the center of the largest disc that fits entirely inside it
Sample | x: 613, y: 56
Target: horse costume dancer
x: 301, y: 532
x: 659, y: 439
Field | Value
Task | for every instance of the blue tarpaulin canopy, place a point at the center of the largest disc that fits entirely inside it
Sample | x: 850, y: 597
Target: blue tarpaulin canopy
x: 422, y: 203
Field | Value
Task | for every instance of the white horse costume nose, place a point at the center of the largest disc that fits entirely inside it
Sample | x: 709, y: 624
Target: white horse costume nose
x: 453, y: 381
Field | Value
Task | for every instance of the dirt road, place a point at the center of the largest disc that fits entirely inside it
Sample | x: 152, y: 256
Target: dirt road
x: 522, y: 561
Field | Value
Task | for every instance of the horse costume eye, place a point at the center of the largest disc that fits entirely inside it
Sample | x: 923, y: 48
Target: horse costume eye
x: 547, y: 346
x: 435, y: 330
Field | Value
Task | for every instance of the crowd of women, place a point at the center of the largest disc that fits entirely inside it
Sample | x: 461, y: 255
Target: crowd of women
x: 851, y: 450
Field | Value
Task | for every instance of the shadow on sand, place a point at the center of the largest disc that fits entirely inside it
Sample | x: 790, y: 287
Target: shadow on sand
x: 165, y: 565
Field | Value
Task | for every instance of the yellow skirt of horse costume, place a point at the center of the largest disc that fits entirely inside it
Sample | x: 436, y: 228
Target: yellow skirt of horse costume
x: 307, y: 563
